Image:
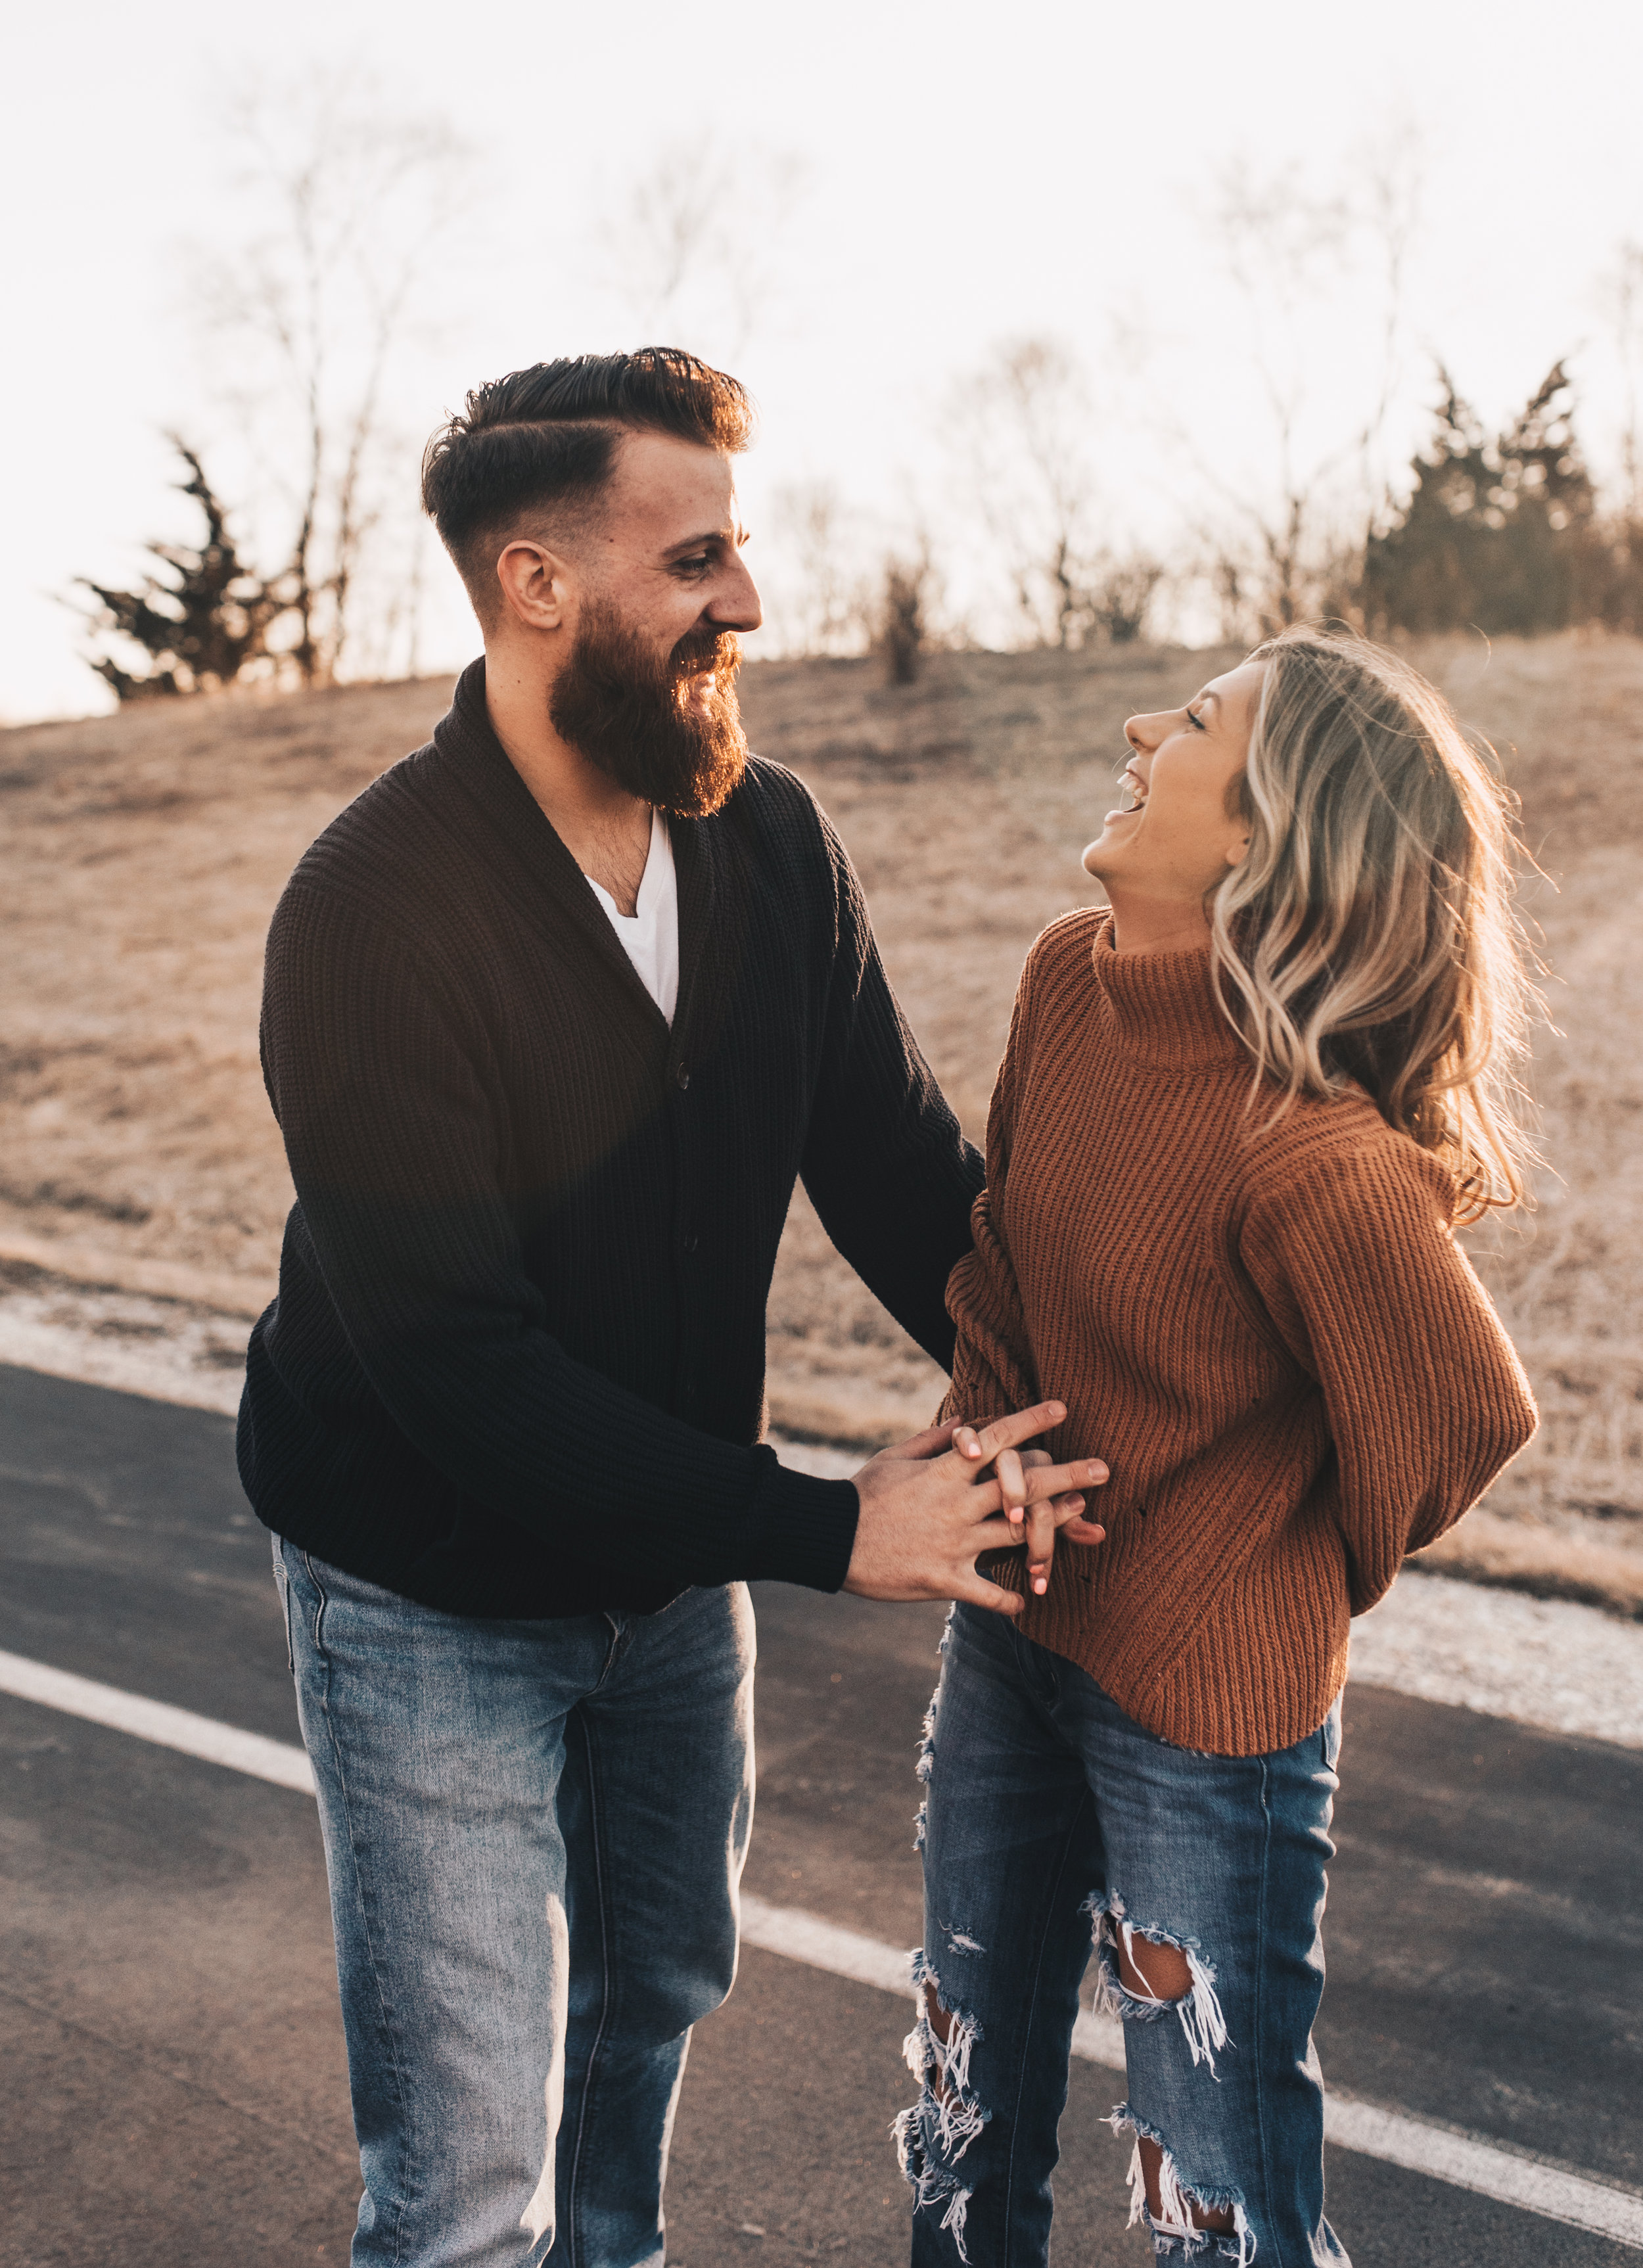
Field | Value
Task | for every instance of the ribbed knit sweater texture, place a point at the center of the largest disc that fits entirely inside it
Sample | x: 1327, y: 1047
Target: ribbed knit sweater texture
x: 516, y: 1366
x: 1262, y: 1321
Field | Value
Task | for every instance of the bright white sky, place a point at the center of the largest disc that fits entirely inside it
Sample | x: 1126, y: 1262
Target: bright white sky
x: 973, y: 172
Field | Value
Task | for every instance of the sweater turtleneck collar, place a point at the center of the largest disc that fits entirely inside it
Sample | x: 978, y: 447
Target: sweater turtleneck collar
x: 1160, y: 1008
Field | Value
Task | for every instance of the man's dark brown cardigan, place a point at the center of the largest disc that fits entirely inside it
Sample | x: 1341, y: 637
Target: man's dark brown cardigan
x: 516, y: 1365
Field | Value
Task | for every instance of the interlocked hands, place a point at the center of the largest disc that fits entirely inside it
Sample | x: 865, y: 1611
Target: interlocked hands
x: 931, y: 1505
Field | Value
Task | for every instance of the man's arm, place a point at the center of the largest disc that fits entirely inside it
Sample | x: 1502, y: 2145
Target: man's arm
x: 885, y: 1162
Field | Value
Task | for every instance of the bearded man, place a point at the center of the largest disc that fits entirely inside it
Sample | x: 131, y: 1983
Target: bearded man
x: 555, y: 1014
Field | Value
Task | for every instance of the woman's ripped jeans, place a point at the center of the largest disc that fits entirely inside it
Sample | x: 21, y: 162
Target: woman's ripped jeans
x: 1054, y: 1826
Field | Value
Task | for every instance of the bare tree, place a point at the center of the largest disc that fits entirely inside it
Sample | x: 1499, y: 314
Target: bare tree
x: 1121, y: 600
x: 1391, y: 192
x: 1019, y: 431
x: 901, y: 630
x: 310, y: 315
x: 1291, y: 251
x: 692, y: 250
x: 1620, y: 297
x: 820, y: 593
x: 1279, y: 244
x: 1620, y: 300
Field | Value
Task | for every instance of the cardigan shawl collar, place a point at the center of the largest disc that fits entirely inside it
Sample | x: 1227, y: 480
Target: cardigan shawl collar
x: 525, y: 853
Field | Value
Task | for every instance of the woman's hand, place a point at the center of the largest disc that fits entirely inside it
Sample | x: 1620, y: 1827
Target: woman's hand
x: 1038, y: 1534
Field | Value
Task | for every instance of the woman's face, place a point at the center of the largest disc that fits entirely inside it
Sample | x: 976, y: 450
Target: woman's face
x: 1180, y: 830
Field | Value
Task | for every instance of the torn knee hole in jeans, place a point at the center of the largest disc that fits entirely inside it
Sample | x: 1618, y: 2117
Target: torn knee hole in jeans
x: 1138, y: 1985
x: 933, y: 2136
x: 1197, y: 2220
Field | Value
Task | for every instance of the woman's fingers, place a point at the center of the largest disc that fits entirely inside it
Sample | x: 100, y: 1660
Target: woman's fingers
x: 1035, y: 1458
x: 1010, y: 1432
x: 1082, y: 1531
x: 1011, y: 1480
x: 1039, y: 1533
x: 1040, y: 1482
x: 1041, y: 1545
x: 1048, y: 1480
x: 1066, y: 1519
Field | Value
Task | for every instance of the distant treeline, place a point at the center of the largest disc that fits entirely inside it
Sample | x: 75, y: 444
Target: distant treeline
x: 1502, y: 533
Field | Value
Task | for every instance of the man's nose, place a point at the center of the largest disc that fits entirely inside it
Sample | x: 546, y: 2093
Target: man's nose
x: 735, y: 605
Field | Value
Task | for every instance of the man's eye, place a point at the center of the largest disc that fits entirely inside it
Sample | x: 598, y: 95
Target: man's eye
x: 696, y: 565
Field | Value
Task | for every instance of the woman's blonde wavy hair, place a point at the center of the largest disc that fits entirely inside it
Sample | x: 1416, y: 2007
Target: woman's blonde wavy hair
x: 1369, y: 933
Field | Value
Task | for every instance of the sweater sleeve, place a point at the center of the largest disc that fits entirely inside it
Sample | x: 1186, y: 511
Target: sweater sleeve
x: 1354, y: 1256
x: 397, y: 1159
x: 993, y: 1370
x: 885, y: 1163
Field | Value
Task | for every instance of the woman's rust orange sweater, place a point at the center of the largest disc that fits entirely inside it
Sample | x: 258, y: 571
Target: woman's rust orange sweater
x: 1264, y: 1325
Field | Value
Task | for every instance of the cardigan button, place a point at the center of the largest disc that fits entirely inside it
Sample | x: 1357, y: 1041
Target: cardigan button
x: 682, y: 1075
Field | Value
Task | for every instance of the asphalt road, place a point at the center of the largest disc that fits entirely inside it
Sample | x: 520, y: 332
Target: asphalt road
x: 171, y: 2087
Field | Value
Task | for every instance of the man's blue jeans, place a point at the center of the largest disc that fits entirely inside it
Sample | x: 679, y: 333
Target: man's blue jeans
x: 534, y: 1833
x: 1052, y: 1819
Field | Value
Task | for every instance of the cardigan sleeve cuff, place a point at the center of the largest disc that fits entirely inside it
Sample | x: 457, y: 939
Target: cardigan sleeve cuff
x: 808, y: 1533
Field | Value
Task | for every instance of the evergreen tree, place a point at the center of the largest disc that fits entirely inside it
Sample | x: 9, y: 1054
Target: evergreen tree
x: 201, y: 626
x: 1500, y: 535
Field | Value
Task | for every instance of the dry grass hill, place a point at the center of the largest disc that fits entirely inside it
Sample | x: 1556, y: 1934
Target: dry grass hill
x: 140, y: 855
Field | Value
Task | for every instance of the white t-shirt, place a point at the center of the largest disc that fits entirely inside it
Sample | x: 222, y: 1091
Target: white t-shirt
x: 650, y: 936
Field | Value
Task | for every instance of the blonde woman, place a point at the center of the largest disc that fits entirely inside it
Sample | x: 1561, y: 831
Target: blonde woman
x: 1238, y: 1121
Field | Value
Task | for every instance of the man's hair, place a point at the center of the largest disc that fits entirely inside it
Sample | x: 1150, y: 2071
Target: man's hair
x: 542, y: 442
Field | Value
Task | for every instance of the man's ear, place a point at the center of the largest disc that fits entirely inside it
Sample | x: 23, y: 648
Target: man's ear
x: 536, y: 584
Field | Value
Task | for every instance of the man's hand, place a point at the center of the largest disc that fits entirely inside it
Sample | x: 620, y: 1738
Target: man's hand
x: 929, y: 1510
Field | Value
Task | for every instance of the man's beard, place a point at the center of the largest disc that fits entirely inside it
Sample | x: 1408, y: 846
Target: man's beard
x: 622, y: 709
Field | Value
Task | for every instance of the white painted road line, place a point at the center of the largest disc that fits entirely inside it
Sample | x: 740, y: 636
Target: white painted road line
x: 820, y: 1944
x: 1466, y: 2163
x: 1461, y: 2160
x: 158, y: 1721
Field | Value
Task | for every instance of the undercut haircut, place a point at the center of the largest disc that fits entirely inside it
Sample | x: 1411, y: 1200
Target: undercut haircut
x: 535, y: 450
